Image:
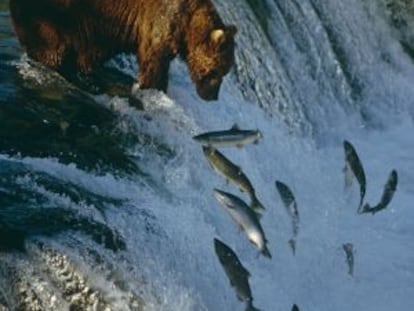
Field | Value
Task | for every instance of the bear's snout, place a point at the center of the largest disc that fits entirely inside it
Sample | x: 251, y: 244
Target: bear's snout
x: 209, y: 91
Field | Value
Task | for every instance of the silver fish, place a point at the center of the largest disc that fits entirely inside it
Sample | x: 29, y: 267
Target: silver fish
x: 232, y: 173
x: 236, y: 273
x: 349, y: 251
x: 229, y: 138
x: 245, y: 218
x: 387, y: 195
x: 289, y: 201
x: 353, y: 166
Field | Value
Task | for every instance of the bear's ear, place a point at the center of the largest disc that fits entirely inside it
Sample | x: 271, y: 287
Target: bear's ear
x: 217, y: 36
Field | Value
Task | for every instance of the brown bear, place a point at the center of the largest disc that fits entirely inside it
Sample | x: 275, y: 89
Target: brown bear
x: 80, y: 34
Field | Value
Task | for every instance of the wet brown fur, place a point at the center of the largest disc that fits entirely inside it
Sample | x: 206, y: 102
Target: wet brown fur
x: 81, y: 34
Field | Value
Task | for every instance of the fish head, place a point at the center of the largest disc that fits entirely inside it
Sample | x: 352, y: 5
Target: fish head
x: 220, y: 248
x: 208, y: 150
x: 221, y: 197
x: 348, y: 147
x: 198, y: 138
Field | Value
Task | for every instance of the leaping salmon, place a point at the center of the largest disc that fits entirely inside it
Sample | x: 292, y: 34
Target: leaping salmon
x: 236, y: 273
x: 232, y: 173
x: 229, y: 138
x: 387, y: 195
x: 246, y: 218
x: 289, y: 201
x: 353, y: 166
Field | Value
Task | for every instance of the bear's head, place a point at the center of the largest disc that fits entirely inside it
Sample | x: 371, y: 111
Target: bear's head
x: 211, y: 59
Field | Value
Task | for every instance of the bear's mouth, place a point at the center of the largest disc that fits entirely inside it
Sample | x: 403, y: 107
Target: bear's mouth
x: 208, y: 91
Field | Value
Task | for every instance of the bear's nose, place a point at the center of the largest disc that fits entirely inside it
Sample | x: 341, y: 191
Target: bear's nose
x: 208, y: 93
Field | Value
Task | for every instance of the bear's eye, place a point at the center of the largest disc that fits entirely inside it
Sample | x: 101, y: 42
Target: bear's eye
x: 212, y: 74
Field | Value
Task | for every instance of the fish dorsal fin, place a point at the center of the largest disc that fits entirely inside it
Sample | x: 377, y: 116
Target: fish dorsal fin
x: 235, y: 127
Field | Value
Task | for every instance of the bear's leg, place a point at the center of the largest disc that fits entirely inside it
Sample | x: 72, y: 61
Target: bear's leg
x: 36, y: 33
x: 87, y: 58
x: 46, y: 45
x: 153, y: 72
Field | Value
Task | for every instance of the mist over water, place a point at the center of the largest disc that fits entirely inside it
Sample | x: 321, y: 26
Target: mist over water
x: 112, y: 206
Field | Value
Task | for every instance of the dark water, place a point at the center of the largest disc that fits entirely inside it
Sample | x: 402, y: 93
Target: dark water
x: 56, y: 120
x: 47, y: 117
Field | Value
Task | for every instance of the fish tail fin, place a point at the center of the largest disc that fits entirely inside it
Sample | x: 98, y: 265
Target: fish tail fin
x: 256, y: 205
x: 364, y: 208
x: 361, y: 205
x: 266, y: 253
